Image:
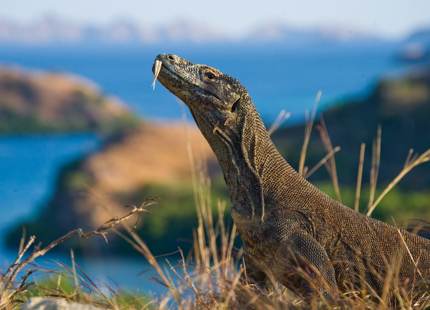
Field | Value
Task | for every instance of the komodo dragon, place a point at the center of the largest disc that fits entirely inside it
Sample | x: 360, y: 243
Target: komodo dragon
x: 284, y: 221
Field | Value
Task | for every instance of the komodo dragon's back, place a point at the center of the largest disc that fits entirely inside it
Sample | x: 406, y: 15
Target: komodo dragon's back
x: 352, y: 239
x: 286, y: 223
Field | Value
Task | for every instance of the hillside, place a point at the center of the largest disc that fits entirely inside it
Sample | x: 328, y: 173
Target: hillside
x: 401, y: 106
x: 33, y: 102
x: 149, y: 162
x: 416, y: 47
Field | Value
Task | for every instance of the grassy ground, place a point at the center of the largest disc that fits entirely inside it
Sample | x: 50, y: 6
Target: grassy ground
x: 81, y: 290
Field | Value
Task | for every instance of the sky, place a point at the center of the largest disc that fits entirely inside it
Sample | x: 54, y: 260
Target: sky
x: 391, y: 18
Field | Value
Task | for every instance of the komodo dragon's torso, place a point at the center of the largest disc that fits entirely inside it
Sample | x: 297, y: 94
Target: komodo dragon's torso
x: 350, y: 240
x: 284, y: 221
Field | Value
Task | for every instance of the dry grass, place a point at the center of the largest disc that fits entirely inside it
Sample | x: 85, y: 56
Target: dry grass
x: 331, y: 163
x: 359, y: 177
x: 14, y: 282
x: 374, y: 170
x: 280, y: 119
x: 213, y: 276
x: 310, y: 118
x: 412, y: 161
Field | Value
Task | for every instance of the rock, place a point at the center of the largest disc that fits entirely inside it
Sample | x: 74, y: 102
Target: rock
x: 48, y: 303
x: 53, y: 102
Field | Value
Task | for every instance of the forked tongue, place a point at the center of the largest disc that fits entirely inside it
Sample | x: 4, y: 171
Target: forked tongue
x: 157, y: 69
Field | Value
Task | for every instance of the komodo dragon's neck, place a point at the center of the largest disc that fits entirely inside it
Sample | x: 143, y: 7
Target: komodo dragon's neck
x: 256, y: 173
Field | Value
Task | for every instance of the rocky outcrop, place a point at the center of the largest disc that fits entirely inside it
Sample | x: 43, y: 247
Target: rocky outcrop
x: 49, y: 303
x: 53, y: 102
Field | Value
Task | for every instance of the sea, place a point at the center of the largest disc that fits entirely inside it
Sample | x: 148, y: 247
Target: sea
x: 277, y: 77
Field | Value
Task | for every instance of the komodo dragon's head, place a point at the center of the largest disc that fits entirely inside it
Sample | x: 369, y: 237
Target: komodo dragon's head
x: 226, y: 116
x: 218, y: 102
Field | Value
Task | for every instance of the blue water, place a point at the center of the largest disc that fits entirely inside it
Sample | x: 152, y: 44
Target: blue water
x: 29, y: 166
x: 28, y: 171
x: 276, y: 78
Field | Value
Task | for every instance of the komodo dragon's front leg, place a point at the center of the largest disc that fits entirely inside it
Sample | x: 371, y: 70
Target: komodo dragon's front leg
x: 294, y: 248
x: 298, y: 249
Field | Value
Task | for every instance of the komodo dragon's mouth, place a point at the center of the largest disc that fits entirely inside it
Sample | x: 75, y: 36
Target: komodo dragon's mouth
x: 166, y: 73
x: 162, y: 70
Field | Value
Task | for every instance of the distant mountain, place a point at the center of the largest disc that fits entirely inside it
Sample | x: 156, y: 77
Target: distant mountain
x: 53, y: 29
x: 420, y: 36
x: 279, y: 32
x: 416, y: 47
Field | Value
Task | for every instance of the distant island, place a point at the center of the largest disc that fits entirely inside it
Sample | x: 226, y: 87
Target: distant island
x: 43, y: 102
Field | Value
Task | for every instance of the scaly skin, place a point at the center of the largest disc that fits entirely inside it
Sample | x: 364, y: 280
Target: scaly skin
x: 292, y: 232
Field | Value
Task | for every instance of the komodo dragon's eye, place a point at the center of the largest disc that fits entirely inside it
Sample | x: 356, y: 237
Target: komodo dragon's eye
x: 210, y: 75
